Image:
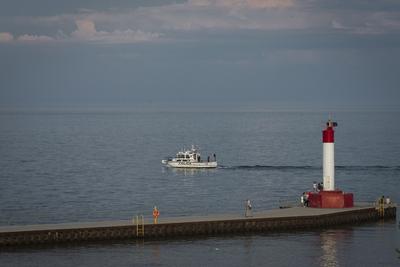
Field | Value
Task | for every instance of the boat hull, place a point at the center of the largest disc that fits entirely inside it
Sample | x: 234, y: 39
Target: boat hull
x: 197, y: 165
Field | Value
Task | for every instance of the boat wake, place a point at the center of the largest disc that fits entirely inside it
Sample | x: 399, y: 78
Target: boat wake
x: 306, y: 167
x: 268, y: 167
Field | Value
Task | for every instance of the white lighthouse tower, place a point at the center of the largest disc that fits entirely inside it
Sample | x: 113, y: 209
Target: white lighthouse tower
x: 328, y: 164
x: 330, y: 196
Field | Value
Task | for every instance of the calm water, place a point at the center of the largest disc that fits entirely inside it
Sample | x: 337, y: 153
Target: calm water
x: 61, y: 167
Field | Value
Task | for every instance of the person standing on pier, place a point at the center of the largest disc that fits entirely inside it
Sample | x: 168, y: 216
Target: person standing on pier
x: 248, y: 211
x: 315, y: 186
x: 306, y: 201
x: 320, y: 187
x: 156, y: 213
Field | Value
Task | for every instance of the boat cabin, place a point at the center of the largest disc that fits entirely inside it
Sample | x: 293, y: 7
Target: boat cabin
x: 188, y: 155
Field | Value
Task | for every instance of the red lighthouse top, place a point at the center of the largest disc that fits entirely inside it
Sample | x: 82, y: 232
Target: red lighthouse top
x: 328, y: 135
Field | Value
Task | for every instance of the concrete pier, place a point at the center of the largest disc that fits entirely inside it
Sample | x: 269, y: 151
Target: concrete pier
x: 288, y: 219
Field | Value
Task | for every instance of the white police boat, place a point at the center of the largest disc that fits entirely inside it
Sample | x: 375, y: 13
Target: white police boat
x: 190, y: 159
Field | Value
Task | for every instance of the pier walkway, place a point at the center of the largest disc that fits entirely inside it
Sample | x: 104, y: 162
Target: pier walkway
x: 286, y: 219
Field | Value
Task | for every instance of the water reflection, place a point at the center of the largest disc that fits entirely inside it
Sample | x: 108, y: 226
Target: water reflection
x: 329, y: 253
x: 398, y: 236
x: 155, y: 254
x: 248, y: 251
x: 190, y: 172
x: 329, y: 240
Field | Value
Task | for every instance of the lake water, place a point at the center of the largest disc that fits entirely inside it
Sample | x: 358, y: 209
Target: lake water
x: 91, y: 166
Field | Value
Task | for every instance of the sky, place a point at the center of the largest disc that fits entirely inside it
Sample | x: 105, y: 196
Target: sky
x: 236, y: 54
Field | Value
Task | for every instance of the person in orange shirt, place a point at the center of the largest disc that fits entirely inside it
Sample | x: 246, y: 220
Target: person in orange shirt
x: 156, y: 213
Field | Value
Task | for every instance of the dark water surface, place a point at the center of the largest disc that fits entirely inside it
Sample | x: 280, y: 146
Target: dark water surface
x: 90, y: 166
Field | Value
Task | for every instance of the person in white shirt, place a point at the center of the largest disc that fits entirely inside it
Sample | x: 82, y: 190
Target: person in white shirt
x: 248, y: 212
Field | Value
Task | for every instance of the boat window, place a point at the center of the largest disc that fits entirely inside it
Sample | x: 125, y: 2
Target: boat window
x: 187, y: 156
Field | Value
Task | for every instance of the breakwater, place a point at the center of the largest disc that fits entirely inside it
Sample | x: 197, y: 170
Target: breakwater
x: 279, y: 220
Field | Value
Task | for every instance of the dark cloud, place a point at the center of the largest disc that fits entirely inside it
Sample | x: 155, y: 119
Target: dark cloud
x: 13, y: 8
x: 356, y: 5
x: 200, y: 55
x: 201, y: 73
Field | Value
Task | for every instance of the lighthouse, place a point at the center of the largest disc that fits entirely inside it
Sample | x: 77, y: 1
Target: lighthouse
x: 330, y: 196
x: 328, y: 161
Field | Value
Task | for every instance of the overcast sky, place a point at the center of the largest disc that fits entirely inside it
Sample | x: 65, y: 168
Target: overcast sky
x: 205, y: 53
